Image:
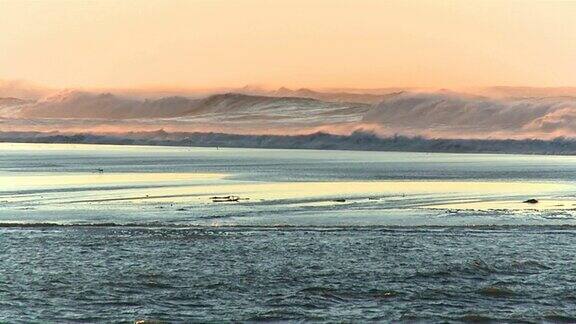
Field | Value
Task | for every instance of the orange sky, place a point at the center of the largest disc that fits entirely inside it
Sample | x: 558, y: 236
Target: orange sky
x: 295, y: 43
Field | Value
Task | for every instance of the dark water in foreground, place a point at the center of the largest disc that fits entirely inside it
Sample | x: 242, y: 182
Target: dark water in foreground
x: 323, y: 236
x: 249, y: 274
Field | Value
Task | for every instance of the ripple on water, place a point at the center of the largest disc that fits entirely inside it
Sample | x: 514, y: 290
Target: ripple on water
x: 496, y: 292
x: 286, y: 274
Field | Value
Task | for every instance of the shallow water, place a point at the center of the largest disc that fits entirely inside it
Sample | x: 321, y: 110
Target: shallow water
x: 317, y: 235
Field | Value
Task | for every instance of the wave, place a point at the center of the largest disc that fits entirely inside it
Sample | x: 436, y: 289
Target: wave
x: 105, y: 106
x: 450, y: 114
x: 441, y: 114
x: 356, y: 141
x: 231, y: 106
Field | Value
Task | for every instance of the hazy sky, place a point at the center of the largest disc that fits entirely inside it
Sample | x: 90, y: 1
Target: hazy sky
x: 296, y: 43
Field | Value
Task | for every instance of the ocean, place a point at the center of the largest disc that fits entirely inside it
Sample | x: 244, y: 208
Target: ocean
x: 103, y: 233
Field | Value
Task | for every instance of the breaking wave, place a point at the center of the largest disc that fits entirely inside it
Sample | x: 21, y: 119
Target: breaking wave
x: 441, y: 114
x: 457, y: 115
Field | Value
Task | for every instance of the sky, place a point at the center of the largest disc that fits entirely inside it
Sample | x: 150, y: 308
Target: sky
x: 294, y: 43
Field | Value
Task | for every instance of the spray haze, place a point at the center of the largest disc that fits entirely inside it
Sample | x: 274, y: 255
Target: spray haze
x: 432, y: 113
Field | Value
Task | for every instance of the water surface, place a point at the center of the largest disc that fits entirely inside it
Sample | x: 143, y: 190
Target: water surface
x: 121, y: 233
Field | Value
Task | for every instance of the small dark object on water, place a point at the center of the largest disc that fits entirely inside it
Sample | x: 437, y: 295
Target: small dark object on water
x: 227, y: 198
x: 339, y: 200
x: 531, y: 201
